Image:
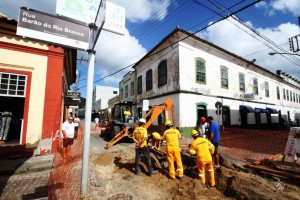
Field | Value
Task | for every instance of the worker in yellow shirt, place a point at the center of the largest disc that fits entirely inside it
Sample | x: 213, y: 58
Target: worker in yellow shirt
x: 155, y: 140
x: 127, y: 114
x: 140, y: 138
x: 203, y: 149
x: 171, y: 136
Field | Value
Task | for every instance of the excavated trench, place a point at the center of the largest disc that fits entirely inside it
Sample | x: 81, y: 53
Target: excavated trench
x: 233, y: 180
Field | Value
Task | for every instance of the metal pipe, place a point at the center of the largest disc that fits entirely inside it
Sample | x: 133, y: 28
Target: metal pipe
x: 273, y: 171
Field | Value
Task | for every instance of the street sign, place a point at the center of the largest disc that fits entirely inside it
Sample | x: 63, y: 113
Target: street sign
x: 45, y: 27
x: 218, y: 112
x: 294, y: 43
x: 114, y: 18
x: 218, y: 105
x: 145, y: 105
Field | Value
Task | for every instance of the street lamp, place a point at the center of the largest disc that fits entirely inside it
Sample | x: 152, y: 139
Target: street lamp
x: 273, y: 53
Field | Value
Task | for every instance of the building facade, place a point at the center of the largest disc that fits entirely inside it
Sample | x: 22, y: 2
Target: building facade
x: 33, y: 79
x: 101, y: 95
x: 198, y: 75
x: 128, y: 87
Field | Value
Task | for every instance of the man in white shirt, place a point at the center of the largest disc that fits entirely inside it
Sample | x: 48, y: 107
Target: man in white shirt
x: 203, y: 128
x: 68, y: 137
x: 96, y: 123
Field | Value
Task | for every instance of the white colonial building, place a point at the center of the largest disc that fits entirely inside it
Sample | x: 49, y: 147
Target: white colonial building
x: 101, y: 95
x: 196, y: 74
x: 128, y: 87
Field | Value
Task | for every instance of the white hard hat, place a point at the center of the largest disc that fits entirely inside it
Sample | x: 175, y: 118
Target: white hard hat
x: 142, y: 120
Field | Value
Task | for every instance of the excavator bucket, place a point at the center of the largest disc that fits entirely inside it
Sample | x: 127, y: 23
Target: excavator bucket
x: 168, y: 104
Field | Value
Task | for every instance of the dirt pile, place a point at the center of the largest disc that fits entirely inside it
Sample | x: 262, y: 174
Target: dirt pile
x: 114, y: 178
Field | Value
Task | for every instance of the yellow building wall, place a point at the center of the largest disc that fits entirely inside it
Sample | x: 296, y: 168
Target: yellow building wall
x: 37, y: 64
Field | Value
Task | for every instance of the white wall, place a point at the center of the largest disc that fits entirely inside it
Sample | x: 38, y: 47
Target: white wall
x: 101, y: 96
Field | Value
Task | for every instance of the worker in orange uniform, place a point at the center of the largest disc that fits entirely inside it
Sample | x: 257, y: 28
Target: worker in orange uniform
x: 140, y: 138
x: 171, y: 136
x: 203, y: 149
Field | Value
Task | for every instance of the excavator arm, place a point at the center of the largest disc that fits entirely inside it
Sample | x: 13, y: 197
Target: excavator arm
x: 153, y: 113
x: 157, y: 110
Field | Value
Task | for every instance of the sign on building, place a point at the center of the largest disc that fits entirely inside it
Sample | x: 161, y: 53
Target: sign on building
x: 42, y: 26
x: 145, y: 105
x: 247, y: 97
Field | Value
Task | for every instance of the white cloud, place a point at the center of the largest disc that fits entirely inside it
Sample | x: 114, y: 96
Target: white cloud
x: 226, y: 35
x: 292, y: 6
x: 142, y: 10
x: 114, y: 52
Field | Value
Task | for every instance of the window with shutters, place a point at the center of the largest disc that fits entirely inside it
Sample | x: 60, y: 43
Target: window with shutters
x: 255, y: 86
x: 267, y: 92
x: 200, y: 71
x: 162, y: 73
x: 139, y: 85
x: 242, y: 82
x: 224, y: 77
x: 149, y: 80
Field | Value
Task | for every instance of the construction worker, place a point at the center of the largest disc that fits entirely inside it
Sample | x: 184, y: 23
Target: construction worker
x: 127, y: 114
x: 171, y: 136
x: 155, y: 140
x: 203, y: 128
x: 203, y: 150
x: 140, y: 138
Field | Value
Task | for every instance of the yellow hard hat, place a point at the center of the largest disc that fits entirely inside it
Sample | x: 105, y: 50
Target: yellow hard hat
x: 156, y: 135
x: 194, y: 132
x: 168, y: 123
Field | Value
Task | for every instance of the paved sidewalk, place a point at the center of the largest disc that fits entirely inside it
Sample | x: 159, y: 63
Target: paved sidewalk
x: 25, y: 178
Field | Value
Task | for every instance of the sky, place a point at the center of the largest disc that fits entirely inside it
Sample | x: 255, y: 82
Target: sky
x: 252, y: 32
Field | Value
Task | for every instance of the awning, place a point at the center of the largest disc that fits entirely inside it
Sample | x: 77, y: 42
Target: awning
x: 261, y: 110
x: 246, y: 109
x: 272, y: 110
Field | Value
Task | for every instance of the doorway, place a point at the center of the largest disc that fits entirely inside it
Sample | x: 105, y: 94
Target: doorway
x: 15, y: 105
x: 201, y: 112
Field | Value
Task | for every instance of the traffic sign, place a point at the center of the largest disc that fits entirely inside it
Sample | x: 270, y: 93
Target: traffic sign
x: 218, y: 105
x: 219, y: 112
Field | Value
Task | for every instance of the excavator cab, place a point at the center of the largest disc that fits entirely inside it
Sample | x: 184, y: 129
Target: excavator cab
x: 120, y: 129
x: 118, y: 121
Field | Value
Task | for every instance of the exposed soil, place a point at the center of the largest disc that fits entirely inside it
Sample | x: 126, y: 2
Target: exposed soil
x: 115, y: 179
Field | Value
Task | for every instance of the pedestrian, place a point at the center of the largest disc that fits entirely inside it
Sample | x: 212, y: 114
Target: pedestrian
x: 214, y: 138
x: 171, y: 136
x: 127, y: 114
x: 203, y: 128
x: 140, y: 138
x: 76, y: 125
x: 96, y: 121
x: 203, y: 150
x: 68, y: 131
x: 5, y: 124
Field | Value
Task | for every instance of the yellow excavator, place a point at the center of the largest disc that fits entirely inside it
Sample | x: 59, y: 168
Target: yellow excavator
x: 151, y: 116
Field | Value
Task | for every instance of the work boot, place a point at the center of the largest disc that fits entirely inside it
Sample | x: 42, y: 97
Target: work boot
x: 153, y: 172
x: 137, y: 171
